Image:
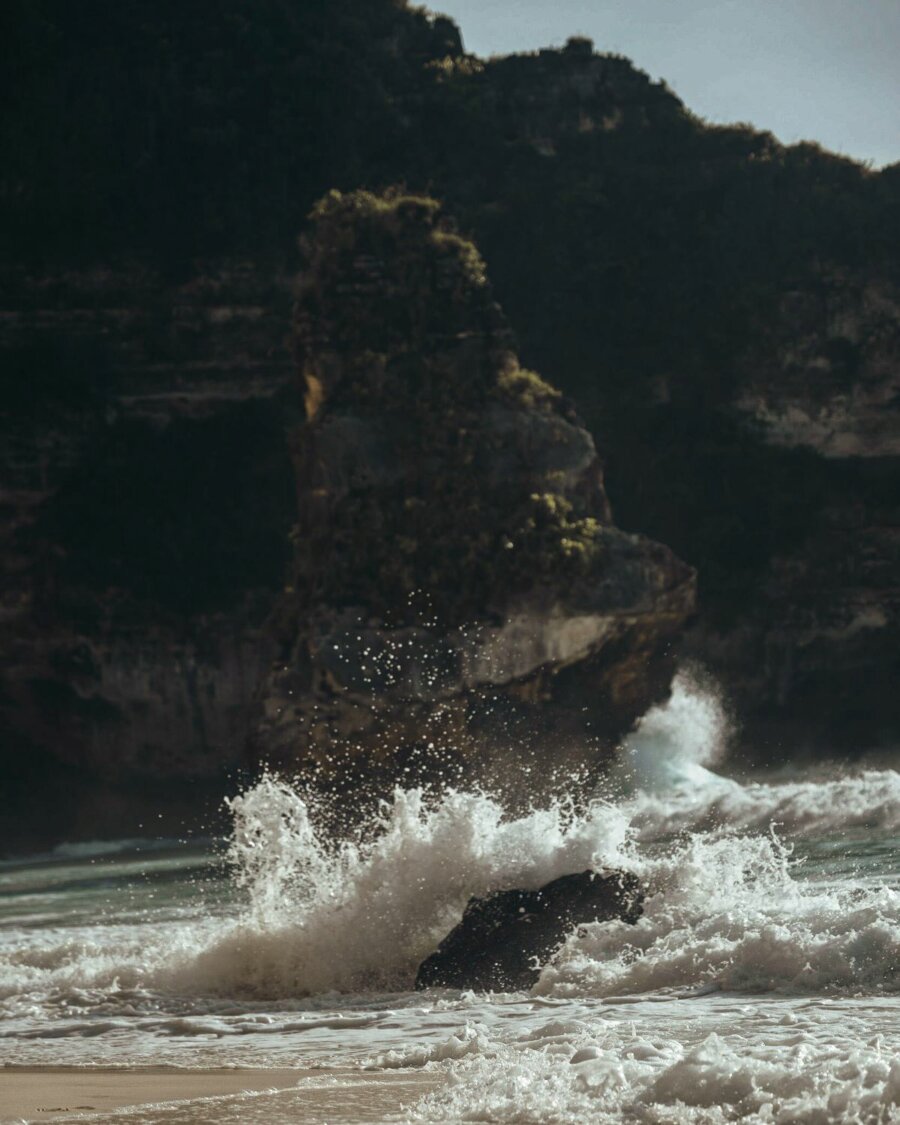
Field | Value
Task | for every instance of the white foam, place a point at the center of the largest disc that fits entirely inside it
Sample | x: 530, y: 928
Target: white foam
x: 729, y: 913
x: 665, y: 785
x: 614, y: 1074
x: 868, y: 800
x: 675, y: 741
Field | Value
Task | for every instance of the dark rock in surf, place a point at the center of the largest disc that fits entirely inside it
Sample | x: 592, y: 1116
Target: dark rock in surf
x: 504, y: 940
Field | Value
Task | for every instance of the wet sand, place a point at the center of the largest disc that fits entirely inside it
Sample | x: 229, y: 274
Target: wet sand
x: 36, y: 1094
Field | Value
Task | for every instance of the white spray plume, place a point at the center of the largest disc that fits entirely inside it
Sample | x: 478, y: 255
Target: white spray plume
x: 675, y: 742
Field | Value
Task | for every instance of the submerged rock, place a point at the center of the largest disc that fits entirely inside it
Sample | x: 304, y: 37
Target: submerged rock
x: 504, y: 940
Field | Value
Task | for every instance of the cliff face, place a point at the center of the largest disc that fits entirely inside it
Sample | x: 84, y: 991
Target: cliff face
x: 454, y: 552
x: 723, y: 308
x: 148, y: 497
x: 813, y: 652
x: 146, y: 502
x: 824, y: 374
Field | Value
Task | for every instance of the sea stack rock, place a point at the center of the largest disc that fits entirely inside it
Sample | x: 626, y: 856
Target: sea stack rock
x: 458, y: 585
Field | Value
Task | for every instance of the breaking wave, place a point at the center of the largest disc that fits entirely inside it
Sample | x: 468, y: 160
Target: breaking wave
x: 665, y: 784
x: 726, y: 906
x: 753, y: 988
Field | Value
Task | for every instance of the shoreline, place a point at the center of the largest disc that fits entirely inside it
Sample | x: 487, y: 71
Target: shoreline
x: 49, y: 1093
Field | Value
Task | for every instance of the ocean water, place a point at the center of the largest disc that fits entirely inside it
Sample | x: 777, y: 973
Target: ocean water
x: 762, y: 983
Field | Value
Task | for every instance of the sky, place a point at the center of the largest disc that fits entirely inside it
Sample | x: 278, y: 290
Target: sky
x: 820, y: 70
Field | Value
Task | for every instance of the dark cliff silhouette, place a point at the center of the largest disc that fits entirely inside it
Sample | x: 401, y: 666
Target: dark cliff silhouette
x: 723, y: 308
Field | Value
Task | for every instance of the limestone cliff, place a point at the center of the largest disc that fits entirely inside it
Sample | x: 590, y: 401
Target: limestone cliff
x: 455, y: 551
x: 722, y: 307
x: 811, y: 657
x: 145, y: 504
x: 824, y: 371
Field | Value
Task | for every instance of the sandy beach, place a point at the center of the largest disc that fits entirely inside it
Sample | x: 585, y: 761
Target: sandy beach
x: 35, y: 1094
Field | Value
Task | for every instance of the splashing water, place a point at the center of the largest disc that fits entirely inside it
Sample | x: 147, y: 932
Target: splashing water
x: 729, y: 914
x: 753, y: 988
x: 364, y: 915
x: 722, y: 909
x: 665, y: 785
x: 275, y: 852
x: 675, y: 742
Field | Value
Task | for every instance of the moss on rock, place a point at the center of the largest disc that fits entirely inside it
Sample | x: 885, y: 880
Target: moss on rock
x: 396, y: 327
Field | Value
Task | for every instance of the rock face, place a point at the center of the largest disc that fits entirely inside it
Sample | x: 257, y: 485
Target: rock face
x: 455, y: 552
x: 504, y: 941
x: 825, y: 375
x: 812, y: 656
x: 145, y: 504
x: 722, y: 307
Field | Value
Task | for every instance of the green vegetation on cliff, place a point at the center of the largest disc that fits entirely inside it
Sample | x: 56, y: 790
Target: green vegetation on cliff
x: 387, y: 290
